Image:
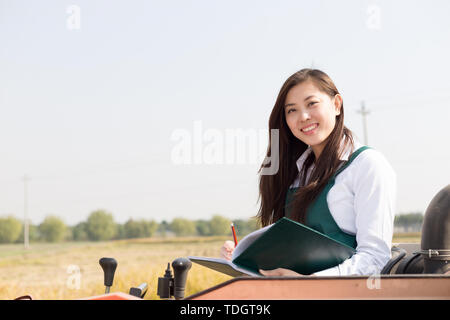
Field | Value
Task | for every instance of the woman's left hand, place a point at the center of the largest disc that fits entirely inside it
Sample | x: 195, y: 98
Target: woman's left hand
x: 280, y: 272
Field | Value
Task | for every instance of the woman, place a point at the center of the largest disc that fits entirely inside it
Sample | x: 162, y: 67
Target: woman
x: 326, y: 179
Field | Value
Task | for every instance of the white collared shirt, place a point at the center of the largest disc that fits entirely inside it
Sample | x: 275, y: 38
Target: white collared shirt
x: 362, y: 202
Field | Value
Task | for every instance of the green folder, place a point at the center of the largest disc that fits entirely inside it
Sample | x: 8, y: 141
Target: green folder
x: 285, y: 244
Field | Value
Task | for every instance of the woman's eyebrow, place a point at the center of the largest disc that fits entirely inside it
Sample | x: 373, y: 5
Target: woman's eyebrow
x: 311, y: 96
x: 293, y: 104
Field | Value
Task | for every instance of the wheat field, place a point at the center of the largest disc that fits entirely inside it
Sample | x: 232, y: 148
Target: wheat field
x: 71, y: 270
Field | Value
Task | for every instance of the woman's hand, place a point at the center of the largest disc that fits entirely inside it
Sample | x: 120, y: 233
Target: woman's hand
x: 227, y: 249
x: 280, y: 272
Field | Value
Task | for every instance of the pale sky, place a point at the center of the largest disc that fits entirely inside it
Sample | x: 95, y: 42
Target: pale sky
x: 92, y: 93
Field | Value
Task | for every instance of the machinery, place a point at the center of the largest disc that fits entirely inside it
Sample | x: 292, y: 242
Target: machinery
x: 168, y: 286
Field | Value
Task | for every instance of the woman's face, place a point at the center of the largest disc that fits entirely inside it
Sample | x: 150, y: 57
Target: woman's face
x: 311, y: 114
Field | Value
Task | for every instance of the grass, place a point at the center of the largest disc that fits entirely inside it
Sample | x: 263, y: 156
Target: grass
x: 407, y: 237
x: 46, y: 271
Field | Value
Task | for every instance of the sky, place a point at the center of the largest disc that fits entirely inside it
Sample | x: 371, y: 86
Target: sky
x: 143, y: 108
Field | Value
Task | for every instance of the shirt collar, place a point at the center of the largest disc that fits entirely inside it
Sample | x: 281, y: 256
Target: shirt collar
x: 345, y: 155
x: 301, y: 160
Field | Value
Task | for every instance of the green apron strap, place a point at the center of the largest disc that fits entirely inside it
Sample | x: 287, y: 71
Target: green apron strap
x: 352, y: 157
x: 318, y: 214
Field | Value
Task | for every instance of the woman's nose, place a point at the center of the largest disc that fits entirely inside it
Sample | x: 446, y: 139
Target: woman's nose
x: 304, y: 116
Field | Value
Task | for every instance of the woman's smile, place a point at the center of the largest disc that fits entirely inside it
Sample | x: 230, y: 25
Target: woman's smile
x: 311, y: 129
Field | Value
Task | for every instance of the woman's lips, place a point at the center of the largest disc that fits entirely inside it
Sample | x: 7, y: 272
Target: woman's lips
x: 311, y: 129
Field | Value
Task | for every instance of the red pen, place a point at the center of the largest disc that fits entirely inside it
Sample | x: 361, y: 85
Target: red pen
x: 234, y: 234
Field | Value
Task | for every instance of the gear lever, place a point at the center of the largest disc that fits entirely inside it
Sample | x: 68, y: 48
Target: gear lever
x: 109, y: 266
x: 180, y: 267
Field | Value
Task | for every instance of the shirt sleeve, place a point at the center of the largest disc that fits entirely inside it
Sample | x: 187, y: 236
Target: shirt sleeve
x: 375, y: 187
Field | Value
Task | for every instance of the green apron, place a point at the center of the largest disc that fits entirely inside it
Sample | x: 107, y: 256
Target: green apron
x: 318, y: 215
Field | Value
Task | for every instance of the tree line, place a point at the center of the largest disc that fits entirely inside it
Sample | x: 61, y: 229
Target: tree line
x: 411, y: 222
x: 100, y: 226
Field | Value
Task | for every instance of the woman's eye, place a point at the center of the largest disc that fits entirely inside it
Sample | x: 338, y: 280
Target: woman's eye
x: 311, y: 103
x: 289, y: 111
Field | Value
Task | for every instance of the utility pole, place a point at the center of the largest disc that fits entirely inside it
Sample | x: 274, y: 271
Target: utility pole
x: 364, y: 112
x: 26, y: 226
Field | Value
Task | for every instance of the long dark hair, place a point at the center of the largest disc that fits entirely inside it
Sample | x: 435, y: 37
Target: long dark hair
x: 273, y: 188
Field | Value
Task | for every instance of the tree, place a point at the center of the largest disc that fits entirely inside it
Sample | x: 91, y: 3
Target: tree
x: 52, y: 229
x: 120, y: 231
x: 139, y: 228
x: 203, y: 227
x: 244, y: 227
x: 101, y: 226
x: 183, y: 227
x: 149, y: 228
x: 79, y: 232
x: 10, y: 229
x: 409, y: 219
x: 409, y: 222
x: 220, y: 226
x: 163, y: 228
x: 132, y: 229
x: 33, y: 234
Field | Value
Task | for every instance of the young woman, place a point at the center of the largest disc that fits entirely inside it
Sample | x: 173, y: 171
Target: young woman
x: 326, y: 178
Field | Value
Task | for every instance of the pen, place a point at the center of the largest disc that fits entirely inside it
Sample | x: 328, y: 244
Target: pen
x: 234, y: 234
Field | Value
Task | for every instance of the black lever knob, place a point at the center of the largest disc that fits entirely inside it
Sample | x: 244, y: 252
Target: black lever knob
x: 109, y: 266
x: 180, y: 267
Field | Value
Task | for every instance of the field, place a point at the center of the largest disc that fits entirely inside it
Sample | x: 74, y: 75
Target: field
x: 48, y: 271
x: 71, y: 270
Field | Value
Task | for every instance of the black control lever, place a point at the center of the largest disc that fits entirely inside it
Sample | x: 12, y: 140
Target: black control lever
x: 169, y: 286
x: 139, y: 291
x: 109, y: 266
x: 180, y: 267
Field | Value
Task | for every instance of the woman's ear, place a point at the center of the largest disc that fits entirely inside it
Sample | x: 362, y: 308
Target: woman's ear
x: 337, y: 103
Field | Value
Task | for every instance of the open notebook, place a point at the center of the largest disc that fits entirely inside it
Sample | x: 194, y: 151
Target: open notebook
x: 285, y: 244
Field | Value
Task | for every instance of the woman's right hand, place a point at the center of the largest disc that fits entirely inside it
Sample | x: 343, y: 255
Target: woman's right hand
x: 227, y: 249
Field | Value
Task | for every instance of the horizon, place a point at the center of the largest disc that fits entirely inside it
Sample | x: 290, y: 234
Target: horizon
x: 158, y: 221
